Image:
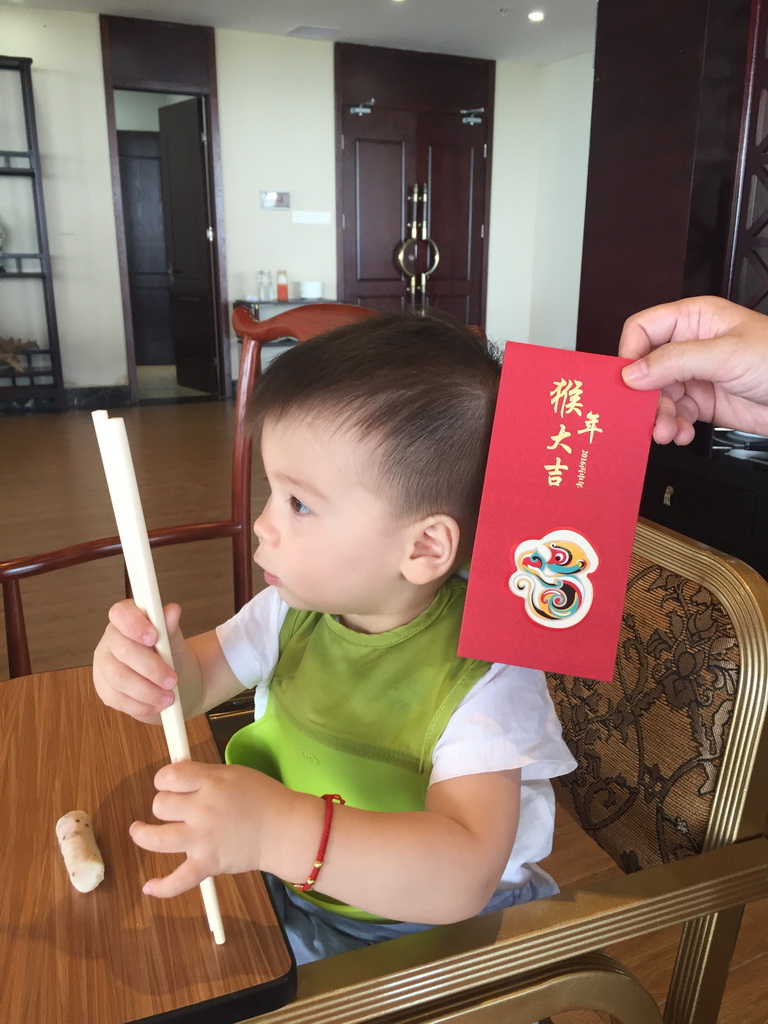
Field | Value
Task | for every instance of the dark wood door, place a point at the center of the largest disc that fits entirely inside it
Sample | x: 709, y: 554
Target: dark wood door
x: 378, y: 166
x: 425, y: 126
x: 452, y: 162
x: 188, y: 239
x: 145, y: 247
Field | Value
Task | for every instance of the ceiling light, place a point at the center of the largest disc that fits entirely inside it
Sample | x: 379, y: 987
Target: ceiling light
x: 536, y: 16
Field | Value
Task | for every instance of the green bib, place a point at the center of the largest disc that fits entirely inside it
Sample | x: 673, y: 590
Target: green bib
x: 359, y: 714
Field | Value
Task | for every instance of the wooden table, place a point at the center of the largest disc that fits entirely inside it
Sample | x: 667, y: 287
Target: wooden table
x: 113, y: 955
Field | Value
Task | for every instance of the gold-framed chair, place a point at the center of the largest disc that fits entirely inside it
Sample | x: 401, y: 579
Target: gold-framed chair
x: 672, y: 782
x: 301, y: 323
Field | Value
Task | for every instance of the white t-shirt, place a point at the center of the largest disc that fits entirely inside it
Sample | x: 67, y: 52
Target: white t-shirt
x: 506, y: 721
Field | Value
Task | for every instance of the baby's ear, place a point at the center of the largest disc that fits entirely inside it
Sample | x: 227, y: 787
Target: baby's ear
x: 433, y: 546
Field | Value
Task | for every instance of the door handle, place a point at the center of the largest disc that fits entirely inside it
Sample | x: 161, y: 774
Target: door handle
x: 418, y: 198
x: 408, y: 250
x: 431, y: 244
x: 411, y: 239
x: 418, y: 231
x: 425, y: 236
x: 409, y: 247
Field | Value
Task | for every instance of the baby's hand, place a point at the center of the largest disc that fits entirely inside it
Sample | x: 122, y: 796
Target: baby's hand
x: 218, y: 815
x: 129, y: 675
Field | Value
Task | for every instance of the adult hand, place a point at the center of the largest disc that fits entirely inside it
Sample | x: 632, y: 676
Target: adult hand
x: 708, y: 356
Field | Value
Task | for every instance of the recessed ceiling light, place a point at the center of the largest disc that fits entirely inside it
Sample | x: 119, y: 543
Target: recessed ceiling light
x: 536, y: 16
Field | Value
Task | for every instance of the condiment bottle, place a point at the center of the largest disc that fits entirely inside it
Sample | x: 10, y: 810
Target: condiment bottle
x: 282, y: 286
x: 265, y: 286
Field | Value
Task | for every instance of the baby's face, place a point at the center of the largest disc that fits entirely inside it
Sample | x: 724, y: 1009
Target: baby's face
x: 327, y: 542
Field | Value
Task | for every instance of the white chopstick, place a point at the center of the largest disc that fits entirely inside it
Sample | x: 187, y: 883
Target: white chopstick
x: 129, y: 515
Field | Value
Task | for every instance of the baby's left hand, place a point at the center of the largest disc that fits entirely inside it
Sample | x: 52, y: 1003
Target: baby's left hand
x: 217, y: 816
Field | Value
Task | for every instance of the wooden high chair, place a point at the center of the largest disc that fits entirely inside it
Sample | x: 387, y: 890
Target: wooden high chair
x: 302, y: 324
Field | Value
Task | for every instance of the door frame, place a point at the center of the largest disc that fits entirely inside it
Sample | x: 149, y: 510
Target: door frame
x: 134, y: 56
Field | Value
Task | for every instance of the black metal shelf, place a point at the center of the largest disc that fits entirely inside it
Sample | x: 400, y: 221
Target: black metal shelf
x: 17, y: 257
x: 20, y: 389
x: 8, y: 155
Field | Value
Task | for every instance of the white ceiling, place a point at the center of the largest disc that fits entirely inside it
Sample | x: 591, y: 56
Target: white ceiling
x: 493, y: 29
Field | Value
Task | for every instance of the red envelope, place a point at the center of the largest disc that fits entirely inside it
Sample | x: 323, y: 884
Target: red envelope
x: 557, y: 520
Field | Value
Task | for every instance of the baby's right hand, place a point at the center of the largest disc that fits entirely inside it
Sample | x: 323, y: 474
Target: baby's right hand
x: 129, y: 675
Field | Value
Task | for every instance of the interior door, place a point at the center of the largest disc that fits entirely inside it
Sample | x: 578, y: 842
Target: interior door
x: 139, y: 154
x: 451, y: 161
x: 188, y: 239
x: 378, y: 165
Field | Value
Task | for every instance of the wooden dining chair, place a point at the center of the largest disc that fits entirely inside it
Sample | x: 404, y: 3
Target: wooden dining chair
x: 301, y: 323
x: 672, y: 781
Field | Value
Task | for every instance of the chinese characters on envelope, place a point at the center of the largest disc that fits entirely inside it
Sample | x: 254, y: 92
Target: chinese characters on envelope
x: 557, y: 521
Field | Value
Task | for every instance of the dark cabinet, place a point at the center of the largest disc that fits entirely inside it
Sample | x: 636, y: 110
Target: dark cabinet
x: 677, y: 204
x: 714, y: 496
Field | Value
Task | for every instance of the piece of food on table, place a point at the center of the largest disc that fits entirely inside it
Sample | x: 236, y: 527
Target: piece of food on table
x: 77, y: 843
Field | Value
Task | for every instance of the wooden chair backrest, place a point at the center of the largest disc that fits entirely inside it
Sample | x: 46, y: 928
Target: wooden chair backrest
x: 302, y: 324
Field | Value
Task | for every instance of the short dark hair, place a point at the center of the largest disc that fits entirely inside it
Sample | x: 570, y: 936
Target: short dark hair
x: 420, y: 389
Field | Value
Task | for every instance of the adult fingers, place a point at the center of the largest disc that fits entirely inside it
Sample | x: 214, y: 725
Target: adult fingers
x: 687, y: 409
x: 675, y: 418
x: 679, y: 362
x: 703, y: 316
x: 644, y: 330
x: 665, y: 426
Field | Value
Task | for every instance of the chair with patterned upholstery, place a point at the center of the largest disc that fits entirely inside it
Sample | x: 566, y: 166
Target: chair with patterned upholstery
x: 672, y: 781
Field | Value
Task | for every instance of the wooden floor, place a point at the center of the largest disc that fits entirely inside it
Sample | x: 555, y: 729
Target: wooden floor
x: 160, y: 382
x: 52, y: 494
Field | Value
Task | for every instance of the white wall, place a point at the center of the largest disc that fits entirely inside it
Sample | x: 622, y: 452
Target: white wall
x: 540, y: 153
x: 276, y: 109
x: 68, y: 88
x: 513, y: 202
x: 563, y: 155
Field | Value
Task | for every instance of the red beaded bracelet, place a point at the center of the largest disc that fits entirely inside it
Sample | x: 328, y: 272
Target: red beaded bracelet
x: 330, y: 800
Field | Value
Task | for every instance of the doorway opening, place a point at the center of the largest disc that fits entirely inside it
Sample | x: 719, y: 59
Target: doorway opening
x: 165, y: 220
